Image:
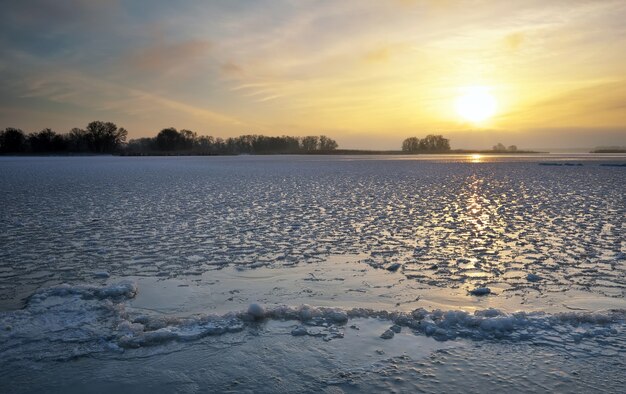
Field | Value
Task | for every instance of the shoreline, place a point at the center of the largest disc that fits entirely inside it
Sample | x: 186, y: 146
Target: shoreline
x: 337, y: 152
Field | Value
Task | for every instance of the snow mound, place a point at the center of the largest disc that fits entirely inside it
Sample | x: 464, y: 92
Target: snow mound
x: 71, y: 321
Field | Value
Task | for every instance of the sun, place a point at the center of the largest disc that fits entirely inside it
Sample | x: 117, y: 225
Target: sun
x: 476, y: 104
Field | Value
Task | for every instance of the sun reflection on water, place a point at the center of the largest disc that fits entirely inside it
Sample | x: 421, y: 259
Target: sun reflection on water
x: 482, y: 226
x: 476, y: 158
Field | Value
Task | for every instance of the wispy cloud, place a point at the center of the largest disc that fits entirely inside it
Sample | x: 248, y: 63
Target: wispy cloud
x: 166, y: 56
x: 88, y: 92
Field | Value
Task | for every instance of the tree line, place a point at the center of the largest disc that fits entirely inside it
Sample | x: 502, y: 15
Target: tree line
x: 106, y: 138
x: 172, y: 141
x: 97, y: 137
x: 429, y: 144
x: 499, y: 147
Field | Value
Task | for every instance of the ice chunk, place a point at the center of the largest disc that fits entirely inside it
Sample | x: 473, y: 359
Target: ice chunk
x: 337, y: 316
x: 123, y: 290
x: 533, y: 278
x: 256, y: 311
x: 480, y: 291
x: 299, y: 331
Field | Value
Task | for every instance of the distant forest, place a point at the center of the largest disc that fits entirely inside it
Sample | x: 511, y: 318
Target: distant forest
x: 429, y: 144
x: 106, y: 138
x: 187, y: 142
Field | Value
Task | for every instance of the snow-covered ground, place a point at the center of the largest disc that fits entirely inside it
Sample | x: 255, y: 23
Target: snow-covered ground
x: 313, y: 273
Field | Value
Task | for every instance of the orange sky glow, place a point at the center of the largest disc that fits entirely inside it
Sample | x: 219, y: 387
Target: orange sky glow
x: 366, y: 73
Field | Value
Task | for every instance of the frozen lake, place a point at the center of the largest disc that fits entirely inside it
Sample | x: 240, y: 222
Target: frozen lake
x: 281, y: 273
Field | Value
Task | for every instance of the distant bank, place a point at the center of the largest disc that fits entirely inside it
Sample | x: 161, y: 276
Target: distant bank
x: 99, y: 138
x: 608, y: 151
x: 337, y: 152
x: 448, y: 152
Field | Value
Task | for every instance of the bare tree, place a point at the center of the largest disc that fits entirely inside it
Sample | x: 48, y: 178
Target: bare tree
x: 499, y: 147
x: 327, y: 144
x: 431, y: 143
x: 12, y: 140
x: 411, y: 144
x: 105, y: 137
x: 310, y: 143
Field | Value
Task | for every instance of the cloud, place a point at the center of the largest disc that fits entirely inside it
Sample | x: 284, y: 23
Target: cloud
x: 383, y: 53
x: 99, y: 95
x: 58, y: 13
x: 231, y: 69
x: 599, y: 103
x: 164, y: 57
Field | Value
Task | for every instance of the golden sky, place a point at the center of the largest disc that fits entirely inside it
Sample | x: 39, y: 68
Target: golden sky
x: 368, y: 73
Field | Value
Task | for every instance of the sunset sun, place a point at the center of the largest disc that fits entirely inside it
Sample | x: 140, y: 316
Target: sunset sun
x: 476, y: 104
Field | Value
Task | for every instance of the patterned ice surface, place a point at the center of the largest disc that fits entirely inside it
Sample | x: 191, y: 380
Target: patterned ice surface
x: 423, y: 274
x: 506, y: 223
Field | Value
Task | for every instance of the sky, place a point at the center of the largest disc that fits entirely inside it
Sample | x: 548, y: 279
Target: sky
x: 367, y: 73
